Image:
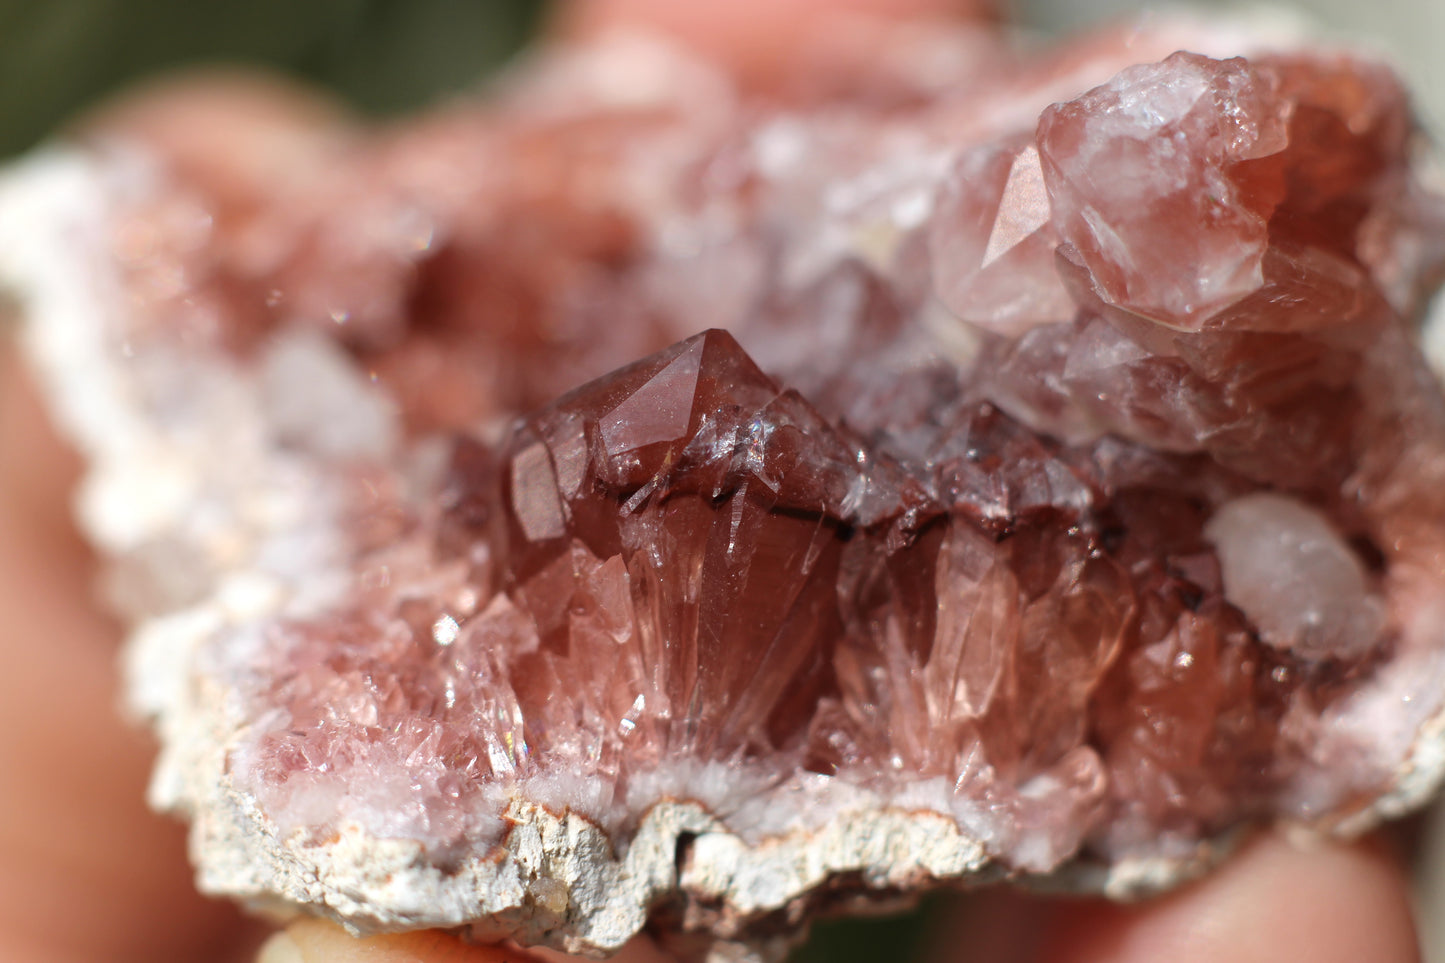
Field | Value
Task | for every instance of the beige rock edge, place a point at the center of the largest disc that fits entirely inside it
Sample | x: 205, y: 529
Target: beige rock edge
x: 557, y: 879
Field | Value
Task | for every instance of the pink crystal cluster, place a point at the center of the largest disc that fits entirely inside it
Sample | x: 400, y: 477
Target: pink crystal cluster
x: 1068, y: 468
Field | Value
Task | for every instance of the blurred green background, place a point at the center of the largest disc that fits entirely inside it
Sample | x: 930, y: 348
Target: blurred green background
x: 385, y: 56
x: 382, y: 55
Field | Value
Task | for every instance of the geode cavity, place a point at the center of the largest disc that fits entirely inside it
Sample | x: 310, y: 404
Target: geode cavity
x: 1018, y: 479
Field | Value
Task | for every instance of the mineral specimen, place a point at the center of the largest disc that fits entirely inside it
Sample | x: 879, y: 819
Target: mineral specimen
x: 1018, y: 480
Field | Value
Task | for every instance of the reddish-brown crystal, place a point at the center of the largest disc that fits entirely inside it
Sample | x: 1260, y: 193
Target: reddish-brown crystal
x: 723, y: 499
x: 1076, y: 474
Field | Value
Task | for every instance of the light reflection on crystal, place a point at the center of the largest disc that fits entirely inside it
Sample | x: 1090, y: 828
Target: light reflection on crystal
x: 445, y: 630
x: 968, y: 496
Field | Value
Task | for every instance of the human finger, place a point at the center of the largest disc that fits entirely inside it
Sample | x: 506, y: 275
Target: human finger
x: 1327, y: 903
x: 76, y: 840
x: 315, y: 941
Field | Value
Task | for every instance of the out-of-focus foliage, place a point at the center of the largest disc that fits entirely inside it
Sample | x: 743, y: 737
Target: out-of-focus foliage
x: 57, y: 56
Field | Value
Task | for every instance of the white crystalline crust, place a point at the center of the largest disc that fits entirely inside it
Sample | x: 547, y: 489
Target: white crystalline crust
x: 561, y: 881
x: 262, y: 525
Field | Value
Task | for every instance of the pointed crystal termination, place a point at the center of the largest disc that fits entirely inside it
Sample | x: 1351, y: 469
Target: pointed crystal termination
x: 1068, y: 494
x: 993, y: 242
x: 723, y: 503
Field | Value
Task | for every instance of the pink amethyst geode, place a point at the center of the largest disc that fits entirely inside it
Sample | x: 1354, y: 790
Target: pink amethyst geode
x: 1018, y: 480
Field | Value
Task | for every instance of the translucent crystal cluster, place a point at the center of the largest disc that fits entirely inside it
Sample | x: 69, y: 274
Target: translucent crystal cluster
x: 1041, y: 444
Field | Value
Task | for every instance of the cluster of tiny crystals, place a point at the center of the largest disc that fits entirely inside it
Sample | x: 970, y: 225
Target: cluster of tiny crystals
x: 1042, y: 441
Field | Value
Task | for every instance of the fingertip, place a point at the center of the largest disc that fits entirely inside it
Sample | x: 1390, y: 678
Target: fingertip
x: 317, y: 941
x: 229, y: 127
x: 76, y: 839
x: 281, y: 948
x: 236, y: 95
x: 1328, y: 903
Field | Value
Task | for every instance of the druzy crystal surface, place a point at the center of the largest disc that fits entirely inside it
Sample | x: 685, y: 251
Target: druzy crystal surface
x: 630, y: 497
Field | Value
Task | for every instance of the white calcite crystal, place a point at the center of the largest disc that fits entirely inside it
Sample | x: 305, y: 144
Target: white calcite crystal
x: 1286, y: 567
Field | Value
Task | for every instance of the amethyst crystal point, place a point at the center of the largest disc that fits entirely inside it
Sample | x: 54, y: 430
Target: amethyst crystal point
x: 1076, y: 503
